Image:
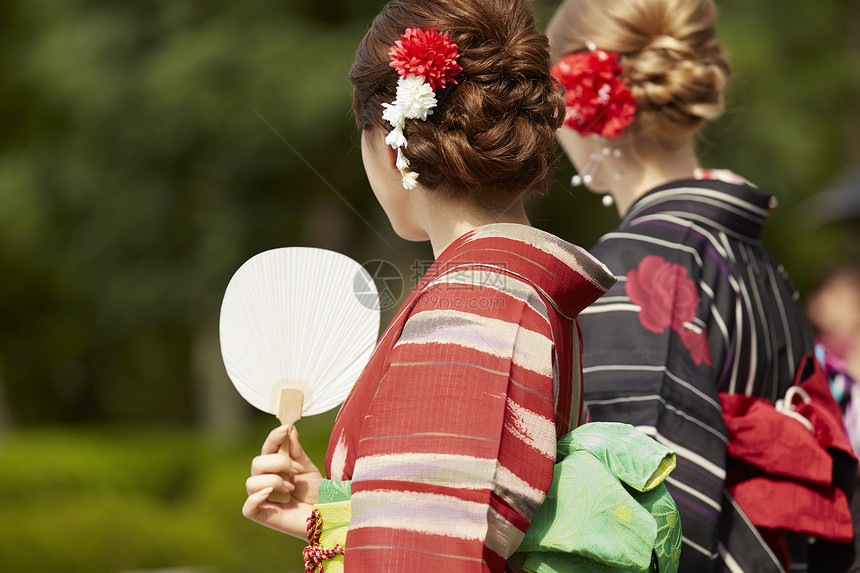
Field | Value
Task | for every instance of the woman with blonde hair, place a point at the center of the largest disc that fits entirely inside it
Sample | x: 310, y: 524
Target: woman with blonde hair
x: 701, y: 315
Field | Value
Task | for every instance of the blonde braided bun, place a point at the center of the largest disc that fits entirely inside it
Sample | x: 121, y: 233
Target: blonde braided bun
x: 672, y: 61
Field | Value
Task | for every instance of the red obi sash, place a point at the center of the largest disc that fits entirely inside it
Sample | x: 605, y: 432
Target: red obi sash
x: 790, y: 463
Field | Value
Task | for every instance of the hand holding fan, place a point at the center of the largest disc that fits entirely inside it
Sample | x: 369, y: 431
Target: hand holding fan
x: 297, y: 327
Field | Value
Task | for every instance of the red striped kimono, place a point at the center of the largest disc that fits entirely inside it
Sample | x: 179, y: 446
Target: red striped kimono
x: 449, y: 434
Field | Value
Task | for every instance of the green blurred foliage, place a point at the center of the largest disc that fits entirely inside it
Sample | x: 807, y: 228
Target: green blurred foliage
x: 122, y: 499
x: 138, y: 172
x: 792, y: 120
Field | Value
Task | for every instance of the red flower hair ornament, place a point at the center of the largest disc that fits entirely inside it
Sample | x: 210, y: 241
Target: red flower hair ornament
x: 427, y: 53
x: 426, y: 61
x: 597, y: 99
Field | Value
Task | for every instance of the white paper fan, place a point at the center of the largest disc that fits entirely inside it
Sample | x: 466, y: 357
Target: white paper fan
x: 298, y: 318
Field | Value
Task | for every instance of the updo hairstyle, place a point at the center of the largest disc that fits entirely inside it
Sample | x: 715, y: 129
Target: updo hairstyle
x: 672, y: 61
x: 492, y: 134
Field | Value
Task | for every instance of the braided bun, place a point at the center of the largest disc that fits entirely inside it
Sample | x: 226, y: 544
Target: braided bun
x: 493, y: 132
x: 672, y: 61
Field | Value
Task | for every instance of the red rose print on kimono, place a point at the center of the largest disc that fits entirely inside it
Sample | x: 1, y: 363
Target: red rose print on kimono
x: 667, y: 298
x: 665, y: 294
x: 697, y: 344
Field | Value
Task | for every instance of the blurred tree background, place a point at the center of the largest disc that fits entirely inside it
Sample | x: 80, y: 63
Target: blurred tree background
x: 149, y: 147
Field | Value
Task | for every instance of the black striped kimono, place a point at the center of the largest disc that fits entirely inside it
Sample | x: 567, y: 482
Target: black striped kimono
x: 699, y: 308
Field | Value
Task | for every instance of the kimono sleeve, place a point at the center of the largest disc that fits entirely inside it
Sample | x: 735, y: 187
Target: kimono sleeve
x: 649, y: 360
x: 457, y: 451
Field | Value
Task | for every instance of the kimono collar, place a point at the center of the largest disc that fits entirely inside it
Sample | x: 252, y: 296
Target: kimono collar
x: 741, y: 210
x: 567, y: 275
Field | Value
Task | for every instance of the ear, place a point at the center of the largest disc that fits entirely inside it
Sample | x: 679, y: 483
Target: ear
x: 392, y: 157
x: 378, y: 137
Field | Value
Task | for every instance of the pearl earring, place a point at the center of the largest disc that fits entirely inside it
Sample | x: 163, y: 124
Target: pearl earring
x: 607, y: 200
x: 594, y: 162
x: 579, y: 180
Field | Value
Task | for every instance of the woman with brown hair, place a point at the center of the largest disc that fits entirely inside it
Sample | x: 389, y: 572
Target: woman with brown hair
x: 448, y: 439
x: 700, y: 311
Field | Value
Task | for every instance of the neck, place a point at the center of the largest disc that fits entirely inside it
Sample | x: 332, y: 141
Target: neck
x: 648, y: 166
x: 445, y: 220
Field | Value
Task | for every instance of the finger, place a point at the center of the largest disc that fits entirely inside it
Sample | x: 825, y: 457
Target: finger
x: 274, y: 440
x: 273, y: 464
x: 301, y: 461
x: 255, y: 484
x: 251, y: 508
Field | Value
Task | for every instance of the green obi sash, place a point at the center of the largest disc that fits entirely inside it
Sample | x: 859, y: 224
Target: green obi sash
x: 334, y: 491
x: 607, y: 508
x: 335, y: 512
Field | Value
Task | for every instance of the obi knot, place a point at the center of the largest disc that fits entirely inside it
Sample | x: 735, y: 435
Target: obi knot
x: 315, y: 555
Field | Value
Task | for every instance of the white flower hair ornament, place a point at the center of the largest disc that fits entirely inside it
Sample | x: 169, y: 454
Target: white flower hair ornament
x: 426, y: 61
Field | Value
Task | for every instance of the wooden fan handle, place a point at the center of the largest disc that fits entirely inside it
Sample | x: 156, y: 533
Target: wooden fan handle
x: 290, y: 403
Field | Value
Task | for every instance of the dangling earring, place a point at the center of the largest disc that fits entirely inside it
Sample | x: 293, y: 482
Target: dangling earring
x: 579, y: 180
x: 587, y: 172
x: 595, y: 160
x: 616, y: 154
x: 608, y: 200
